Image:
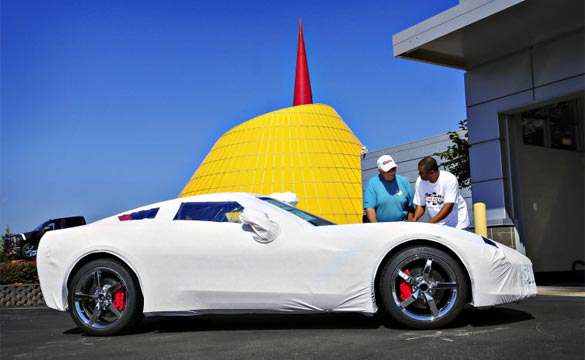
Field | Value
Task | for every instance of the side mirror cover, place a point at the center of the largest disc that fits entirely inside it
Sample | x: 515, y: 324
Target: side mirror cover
x: 264, y: 230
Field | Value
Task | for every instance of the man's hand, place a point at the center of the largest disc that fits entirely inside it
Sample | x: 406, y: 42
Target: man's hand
x: 419, y: 211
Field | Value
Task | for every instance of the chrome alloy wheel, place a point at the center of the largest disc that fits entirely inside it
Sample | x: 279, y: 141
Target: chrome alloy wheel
x: 29, y: 251
x: 423, y: 287
x: 431, y: 288
x: 99, y: 298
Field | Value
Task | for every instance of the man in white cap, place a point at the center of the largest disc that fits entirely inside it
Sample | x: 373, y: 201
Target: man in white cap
x: 388, y: 196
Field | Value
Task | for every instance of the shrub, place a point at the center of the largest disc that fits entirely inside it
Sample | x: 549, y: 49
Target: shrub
x: 18, y: 272
x: 457, y: 156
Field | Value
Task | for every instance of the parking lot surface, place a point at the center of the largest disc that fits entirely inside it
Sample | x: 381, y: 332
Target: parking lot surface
x: 548, y: 326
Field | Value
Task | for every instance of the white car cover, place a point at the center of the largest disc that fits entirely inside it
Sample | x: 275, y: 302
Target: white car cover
x: 271, y: 261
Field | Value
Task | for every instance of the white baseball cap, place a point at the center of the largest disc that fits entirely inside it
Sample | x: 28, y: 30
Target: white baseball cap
x: 385, y: 163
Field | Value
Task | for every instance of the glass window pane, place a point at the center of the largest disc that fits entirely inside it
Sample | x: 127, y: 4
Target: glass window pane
x: 210, y: 211
x: 534, y: 127
x: 563, y: 128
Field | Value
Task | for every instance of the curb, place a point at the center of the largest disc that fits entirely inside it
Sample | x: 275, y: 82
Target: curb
x: 561, y: 291
x: 25, y: 295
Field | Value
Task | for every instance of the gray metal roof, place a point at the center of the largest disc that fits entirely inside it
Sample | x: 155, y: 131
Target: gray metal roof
x: 477, y: 31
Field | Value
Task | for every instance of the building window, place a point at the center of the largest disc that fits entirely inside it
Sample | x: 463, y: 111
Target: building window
x: 554, y: 126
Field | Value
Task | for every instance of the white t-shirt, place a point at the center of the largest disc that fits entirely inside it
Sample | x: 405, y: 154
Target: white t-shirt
x: 435, y: 196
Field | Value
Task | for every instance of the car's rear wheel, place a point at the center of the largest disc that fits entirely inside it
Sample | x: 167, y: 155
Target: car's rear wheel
x: 423, y: 288
x: 104, y: 298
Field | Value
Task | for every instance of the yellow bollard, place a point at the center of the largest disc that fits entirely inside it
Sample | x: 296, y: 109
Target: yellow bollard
x: 479, y: 213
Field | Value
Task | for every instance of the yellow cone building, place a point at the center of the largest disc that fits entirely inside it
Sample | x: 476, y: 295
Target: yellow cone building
x: 306, y: 149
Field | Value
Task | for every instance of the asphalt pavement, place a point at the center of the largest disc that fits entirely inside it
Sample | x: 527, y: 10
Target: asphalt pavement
x: 552, y: 325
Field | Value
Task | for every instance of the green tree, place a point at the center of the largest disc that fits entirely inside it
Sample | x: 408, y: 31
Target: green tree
x: 6, y: 233
x: 456, y: 157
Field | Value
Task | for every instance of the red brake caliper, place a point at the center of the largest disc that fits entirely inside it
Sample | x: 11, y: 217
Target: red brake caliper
x: 405, y: 291
x: 119, y: 300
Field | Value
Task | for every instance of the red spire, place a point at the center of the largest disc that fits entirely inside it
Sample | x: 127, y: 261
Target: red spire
x: 303, y: 93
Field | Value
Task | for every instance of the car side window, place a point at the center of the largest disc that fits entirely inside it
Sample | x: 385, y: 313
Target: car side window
x: 227, y: 211
x: 61, y: 224
x: 76, y: 221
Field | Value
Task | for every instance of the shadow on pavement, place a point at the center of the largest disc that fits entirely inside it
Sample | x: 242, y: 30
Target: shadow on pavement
x: 162, y: 324
x: 256, y: 322
x: 494, y: 316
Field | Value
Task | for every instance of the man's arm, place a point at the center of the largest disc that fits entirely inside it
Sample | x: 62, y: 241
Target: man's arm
x: 371, y: 215
x: 418, y: 213
x: 410, y: 198
x: 410, y: 215
x: 443, y: 213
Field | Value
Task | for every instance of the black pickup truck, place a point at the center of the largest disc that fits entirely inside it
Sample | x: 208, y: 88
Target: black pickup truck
x: 24, y: 246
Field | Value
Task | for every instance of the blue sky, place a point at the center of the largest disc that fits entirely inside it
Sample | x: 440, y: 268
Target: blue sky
x: 107, y: 105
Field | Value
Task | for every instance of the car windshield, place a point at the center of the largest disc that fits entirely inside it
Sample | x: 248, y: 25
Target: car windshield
x: 310, y: 218
x: 40, y: 227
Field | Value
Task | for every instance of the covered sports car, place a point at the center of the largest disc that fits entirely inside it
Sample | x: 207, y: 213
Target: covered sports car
x: 244, y: 253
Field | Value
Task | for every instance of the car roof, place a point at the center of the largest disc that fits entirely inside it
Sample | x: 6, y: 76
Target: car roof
x: 224, y: 196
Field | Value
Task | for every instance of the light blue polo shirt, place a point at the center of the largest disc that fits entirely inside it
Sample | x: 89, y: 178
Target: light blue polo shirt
x: 391, y: 200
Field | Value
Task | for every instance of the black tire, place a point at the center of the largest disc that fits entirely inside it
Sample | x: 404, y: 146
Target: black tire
x: 28, y: 251
x: 434, y: 293
x: 105, y: 298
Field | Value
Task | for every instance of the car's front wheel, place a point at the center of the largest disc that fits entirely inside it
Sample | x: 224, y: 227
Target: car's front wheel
x: 104, y: 298
x: 423, y: 288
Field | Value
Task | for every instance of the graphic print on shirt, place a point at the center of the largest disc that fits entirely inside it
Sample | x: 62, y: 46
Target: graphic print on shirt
x: 434, y: 199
